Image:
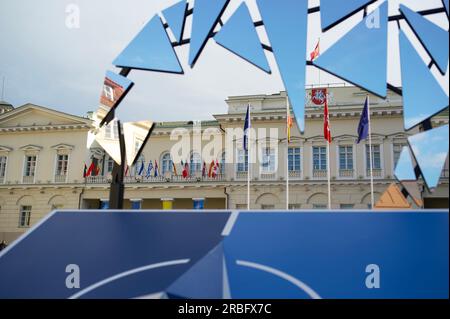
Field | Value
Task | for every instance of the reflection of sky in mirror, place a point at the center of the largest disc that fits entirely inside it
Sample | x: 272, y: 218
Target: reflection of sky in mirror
x: 430, y: 150
x: 78, y: 58
x: 404, y: 170
x: 423, y: 97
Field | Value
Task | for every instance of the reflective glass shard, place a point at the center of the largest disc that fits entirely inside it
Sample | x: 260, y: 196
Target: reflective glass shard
x: 175, y: 17
x: 239, y: 36
x: 412, y: 187
x: 150, y: 50
x: 430, y: 150
x: 445, y: 2
x: 136, y: 135
x: 433, y: 38
x: 115, y: 88
x: 423, y: 97
x: 206, y: 15
x: 360, y: 56
x: 204, y: 280
x: 333, y: 12
x: 404, y: 170
x: 286, y: 26
x: 108, y: 138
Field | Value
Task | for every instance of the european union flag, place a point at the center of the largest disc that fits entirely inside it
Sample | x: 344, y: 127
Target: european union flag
x: 141, y: 170
x: 363, y: 127
x: 246, y: 128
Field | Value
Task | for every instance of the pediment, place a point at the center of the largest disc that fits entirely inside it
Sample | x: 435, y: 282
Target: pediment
x: 30, y: 115
x: 31, y: 147
x: 63, y: 146
x: 5, y: 149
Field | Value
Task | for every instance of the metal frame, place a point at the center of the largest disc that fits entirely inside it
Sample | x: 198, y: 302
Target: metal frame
x: 117, y: 184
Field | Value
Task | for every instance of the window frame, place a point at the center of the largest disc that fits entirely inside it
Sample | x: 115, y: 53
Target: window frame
x: 313, y: 166
x: 27, y: 217
x: 271, y: 156
x: 299, y: 170
x: 3, y: 168
x: 166, y: 162
x: 242, y: 154
x: 367, y: 163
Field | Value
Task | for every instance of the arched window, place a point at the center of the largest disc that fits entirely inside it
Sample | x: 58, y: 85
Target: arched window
x: 166, y: 164
x: 195, y: 164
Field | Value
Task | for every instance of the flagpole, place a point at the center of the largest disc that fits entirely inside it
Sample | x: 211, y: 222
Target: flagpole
x: 328, y: 155
x: 248, y: 156
x: 328, y: 175
x: 318, y: 41
x: 372, y: 199
x: 288, y: 114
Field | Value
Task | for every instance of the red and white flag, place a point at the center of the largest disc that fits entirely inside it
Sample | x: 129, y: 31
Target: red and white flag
x: 185, y: 170
x: 315, y: 54
x: 326, y: 123
x: 216, y: 169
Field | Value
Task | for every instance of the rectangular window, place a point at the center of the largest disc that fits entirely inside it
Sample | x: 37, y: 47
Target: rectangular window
x: 242, y: 165
x: 268, y: 160
x: 112, y: 130
x: 30, y: 166
x: 320, y: 206
x: 320, y: 158
x: 295, y: 206
x: 347, y: 206
x: 397, y: 147
x: 3, y: 160
x: 267, y: 207
x: 25, y: 216
x: 62, y: 163
x: 376, y: 157
x: 136, y: 204
x: 108, y: 92
x: 109, y: 165
x: 346, y: 157
x: 294, y: 159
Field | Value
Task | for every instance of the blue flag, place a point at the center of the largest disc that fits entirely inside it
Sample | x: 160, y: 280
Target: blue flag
x: 141, y: 169
x: 149, y: 169
x: 156, y: 169
x: 247, y: 126
x: 363, y: 127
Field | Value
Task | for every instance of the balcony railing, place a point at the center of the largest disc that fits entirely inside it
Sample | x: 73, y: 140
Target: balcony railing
x: 295, y: 174
x: 377, y: 172
x: 444, y: 174
x: 241, y: 176
x: 268, y: 176
x: 320, y: 173
x: 28, y: 180
x: 2, y: 179
x: 60, y: 178
x: 346, y: 173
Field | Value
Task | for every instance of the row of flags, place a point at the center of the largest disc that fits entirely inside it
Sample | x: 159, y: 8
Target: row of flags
x: 153, y: 170
x: 363, y: 126
x: 93, y: 170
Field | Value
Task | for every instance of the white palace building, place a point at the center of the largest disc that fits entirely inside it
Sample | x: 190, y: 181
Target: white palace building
x: 43, y: 153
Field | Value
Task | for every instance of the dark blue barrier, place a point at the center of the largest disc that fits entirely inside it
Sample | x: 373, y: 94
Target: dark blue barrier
x: 132, y: 254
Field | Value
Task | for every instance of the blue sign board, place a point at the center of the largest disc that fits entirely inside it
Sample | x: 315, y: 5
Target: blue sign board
x: 230, y: 254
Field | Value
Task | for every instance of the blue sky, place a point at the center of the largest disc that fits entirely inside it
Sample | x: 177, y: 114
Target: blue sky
x: 48, y: 64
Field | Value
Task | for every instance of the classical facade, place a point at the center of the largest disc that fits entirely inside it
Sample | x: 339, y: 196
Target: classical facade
x: 43, y: 154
